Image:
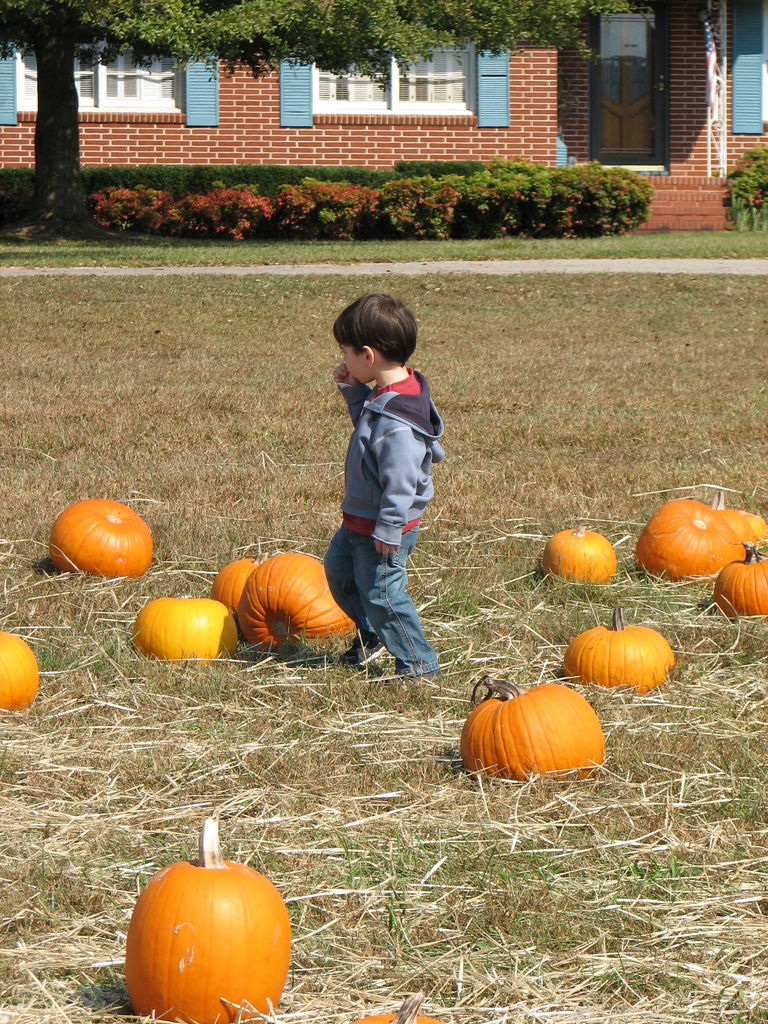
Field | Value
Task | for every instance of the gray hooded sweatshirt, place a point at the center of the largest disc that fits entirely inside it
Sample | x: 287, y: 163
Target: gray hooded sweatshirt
x: 387, y: 474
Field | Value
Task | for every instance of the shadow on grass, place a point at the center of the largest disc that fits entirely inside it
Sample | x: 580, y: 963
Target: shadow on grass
x: 45, y: 567
x: 290, y: 653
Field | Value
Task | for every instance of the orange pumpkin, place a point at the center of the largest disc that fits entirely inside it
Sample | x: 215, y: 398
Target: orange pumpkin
x: 174, y: 628
x: 549, y: 729
x: 407, y: 1014
x: 206, y: 939
x: 686, y: 538
x: 19, y: 673
x: 229, y: 583
x: 580, y: 555
x: 748, y: 527
x: 102, y: 537
x: 741, y: 588
x: 622, y: 655
x: 288, y: 596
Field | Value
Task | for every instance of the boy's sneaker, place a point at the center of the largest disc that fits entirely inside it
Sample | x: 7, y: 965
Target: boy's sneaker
x: 360, y: 654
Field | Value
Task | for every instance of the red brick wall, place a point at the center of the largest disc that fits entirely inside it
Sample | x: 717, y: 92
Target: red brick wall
x: 686, y: 92
x: 249, y: 130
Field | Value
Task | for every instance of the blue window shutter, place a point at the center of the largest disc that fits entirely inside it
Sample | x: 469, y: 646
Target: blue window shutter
x: 747, y: 72
x: 202, y: 94
x: 8, y: 90
x: 295, y: 94
x: 493, y: 90
x: 561, y: 152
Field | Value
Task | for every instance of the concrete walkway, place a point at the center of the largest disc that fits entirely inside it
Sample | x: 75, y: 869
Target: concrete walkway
x: 748, y: 267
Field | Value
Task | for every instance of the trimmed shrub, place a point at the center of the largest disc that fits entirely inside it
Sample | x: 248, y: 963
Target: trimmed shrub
x: 749, y: 191
x: 437, y: 168
x: 320, y: 210
x: 181, y: 180
x: 589, y: 200
x: 420, y: 207
x: 506, y: 198
x: 231, y: 213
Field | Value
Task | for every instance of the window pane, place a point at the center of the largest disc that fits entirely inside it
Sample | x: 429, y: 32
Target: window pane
x: 440, y: 80
x: 350, y: 88
x: 30, y: 81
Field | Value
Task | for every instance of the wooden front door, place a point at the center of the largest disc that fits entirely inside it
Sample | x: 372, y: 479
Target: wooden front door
x: 628, y: 108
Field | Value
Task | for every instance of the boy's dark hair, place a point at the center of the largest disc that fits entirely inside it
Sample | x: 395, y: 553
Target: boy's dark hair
x: 381, y: 322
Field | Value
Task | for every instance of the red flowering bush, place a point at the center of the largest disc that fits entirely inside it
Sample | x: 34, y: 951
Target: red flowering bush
x: 325, y: 209
x: 140, y: 209
x: 749, y: 191
x: 420, y: 207
x: 233, y: 213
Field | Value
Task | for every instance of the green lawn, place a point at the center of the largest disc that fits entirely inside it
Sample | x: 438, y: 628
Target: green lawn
x: 154, y: 252
x: 636, y: 896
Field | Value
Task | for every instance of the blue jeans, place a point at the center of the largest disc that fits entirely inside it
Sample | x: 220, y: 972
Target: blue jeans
x: 371, y: 589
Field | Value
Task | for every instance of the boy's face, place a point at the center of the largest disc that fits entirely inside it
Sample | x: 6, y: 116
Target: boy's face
x: 361, y: 365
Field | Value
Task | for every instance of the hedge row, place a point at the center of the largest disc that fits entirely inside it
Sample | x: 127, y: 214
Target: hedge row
x: 503, y: 198
x: 266, y: 179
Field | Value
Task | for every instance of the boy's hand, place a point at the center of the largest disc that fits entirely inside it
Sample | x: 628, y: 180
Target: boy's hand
x: 341, y: 375
x: 385, y: 549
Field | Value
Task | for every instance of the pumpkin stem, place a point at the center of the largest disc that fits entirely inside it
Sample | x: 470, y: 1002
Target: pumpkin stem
x: 209, y: 846
x: 581, y: 528
x: 617, y: 622
x: 718, y: 501
x: 410, y: 1008
x: 501, y: 689
x: 753, y: 555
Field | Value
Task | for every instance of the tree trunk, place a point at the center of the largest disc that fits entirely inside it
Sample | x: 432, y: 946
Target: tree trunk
x: 59, y: 201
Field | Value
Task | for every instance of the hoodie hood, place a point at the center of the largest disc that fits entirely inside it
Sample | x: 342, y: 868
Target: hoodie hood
x: 418, y: 411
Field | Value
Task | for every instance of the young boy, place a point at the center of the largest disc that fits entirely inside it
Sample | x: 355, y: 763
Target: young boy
x: 387, y: 482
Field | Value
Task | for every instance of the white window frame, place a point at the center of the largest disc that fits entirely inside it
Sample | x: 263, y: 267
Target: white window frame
x: 99, y: 101
x: 392, y: 104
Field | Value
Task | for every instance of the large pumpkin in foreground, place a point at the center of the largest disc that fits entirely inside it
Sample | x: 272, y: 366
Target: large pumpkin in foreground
x: 19, y: 673
x: 288, y: 596
x: 620, y: 655
x: 228, y: 585
x: 687, y: 538
x: 580, y: 555
x: 741, y: 588
x: 207, y: 938
x: 407, y: 1014
x: 174, y: 628
x: 105, y: 538
x: 549, y: 729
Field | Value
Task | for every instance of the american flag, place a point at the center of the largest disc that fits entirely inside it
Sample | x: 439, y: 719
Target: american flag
x: 712, y: 94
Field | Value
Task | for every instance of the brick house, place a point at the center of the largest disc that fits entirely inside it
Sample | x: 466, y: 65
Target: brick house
x: 649, y: 103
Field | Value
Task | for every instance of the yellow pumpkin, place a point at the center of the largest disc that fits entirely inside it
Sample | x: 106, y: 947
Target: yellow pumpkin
x: 19, y: 673
x: 185, y: 627
x: 580, y: 555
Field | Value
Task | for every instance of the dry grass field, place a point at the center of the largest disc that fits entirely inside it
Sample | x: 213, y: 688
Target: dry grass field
x: 638, y: 895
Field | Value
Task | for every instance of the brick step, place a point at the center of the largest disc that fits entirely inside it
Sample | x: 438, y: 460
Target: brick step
x: 687, y: 204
